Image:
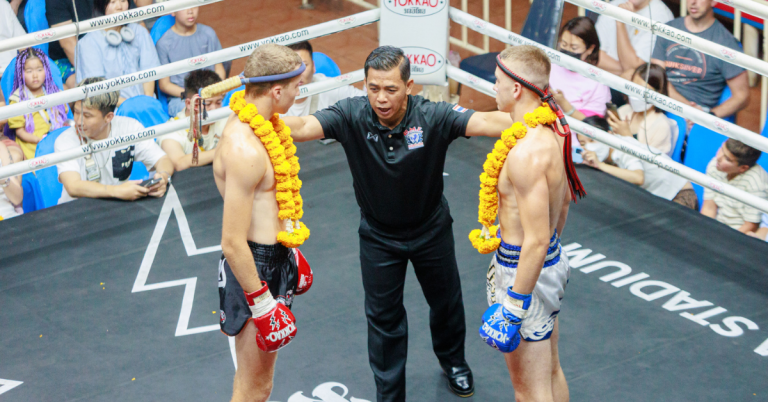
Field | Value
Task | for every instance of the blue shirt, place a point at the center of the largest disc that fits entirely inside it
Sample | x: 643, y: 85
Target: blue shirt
x: 97, y: 58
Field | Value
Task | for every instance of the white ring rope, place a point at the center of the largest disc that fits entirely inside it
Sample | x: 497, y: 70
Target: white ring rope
x: 194, y: 63
x: 160, y: 130
x: 756, y: 8
x: 636, y: 151
x: 627, y: 87
x: 675, y: 35
x: 95, y: 24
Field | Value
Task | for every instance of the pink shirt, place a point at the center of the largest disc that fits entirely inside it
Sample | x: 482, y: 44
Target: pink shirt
x: 584, y: 94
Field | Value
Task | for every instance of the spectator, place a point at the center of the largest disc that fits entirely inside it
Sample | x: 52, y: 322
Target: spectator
x: 33, y: 79
x: 11, y: 193
x: 9, y: 28
x: 736, y: 164
x: 649, y: 176
x: 311, y: 104
x: 625, y: 47
x: 178, y: 146
x: 105, y: 174
x: 762, y: 232
x: 117, y: 51
x: 699, y: 79
x: 62, y: 52
x: 642, y: 120
x: 579, y: 96
x: 184, y: 40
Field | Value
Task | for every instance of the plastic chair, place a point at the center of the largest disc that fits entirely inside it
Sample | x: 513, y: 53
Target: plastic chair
x: 763, y: 161
x: 49, y: 177
x: 163, y: 98
x: 33, y: 195
x: 703, y: 144
x: 149, y: 112
x: 225, y: 101
x: 34, y: 18
x: 162, y: 25
x: 482, y: 65
x: 325, y: 65
x: 6, y: 83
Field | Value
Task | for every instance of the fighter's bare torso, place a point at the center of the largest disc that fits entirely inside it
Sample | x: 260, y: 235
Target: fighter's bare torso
x: 544, y: 147
x: 240, y: 150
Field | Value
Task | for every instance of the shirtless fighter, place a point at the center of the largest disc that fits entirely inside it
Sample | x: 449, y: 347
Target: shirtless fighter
x: 255, y: 269
x: 526, y: 283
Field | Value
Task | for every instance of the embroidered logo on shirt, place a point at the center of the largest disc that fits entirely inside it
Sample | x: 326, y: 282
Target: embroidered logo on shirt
x: 415, y: 137
x: 459, y: 108
x: 374, y: 137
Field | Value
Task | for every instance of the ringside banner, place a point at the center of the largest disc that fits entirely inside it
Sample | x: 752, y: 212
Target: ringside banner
x: 425, y: 41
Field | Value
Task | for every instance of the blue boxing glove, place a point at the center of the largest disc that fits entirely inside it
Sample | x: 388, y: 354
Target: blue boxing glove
x: 501, y: 322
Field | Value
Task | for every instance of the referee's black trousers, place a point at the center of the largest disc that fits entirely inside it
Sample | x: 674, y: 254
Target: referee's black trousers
x: 384, y: 256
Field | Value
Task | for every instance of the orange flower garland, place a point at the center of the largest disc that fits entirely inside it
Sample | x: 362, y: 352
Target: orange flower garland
x: 485, y: 240
x: 276, y: 137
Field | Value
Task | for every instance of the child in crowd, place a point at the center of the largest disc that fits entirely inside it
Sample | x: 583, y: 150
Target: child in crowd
x: 178, y: 146
x: 184, y: 40
x: 641, y: 119
x: 647, y: 175
x: 33, y: 80
x: 736, y: 164
x: 578, y: 96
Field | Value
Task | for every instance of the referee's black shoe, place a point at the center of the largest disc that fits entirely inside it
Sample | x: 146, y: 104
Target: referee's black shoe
x: 460, y: 379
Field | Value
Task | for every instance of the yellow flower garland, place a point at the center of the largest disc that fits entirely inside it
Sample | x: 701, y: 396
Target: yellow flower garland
x: 485, y: 240
x: 276, y: 137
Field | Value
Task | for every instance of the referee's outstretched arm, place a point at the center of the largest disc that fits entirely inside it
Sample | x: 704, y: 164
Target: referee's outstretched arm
x: 488, y: 124
x: 305, y: 128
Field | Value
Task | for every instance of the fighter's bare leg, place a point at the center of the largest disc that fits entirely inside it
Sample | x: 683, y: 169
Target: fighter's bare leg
x: 255, y: 368
x: 530, y: 367
x: 559, y: 385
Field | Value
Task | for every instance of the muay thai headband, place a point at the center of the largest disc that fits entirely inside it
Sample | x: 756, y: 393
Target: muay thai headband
x: 234, y: 82
x: 577, y: 189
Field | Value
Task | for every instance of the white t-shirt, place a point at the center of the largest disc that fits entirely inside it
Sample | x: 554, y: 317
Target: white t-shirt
x: 114, y: 165
x: 642, y: 41
x: 210, y: 140
x: 657, y: 181
x: 9, y: 28
x: 325, y: 99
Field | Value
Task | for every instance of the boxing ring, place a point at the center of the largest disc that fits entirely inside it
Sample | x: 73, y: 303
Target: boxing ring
x: 110, y: 300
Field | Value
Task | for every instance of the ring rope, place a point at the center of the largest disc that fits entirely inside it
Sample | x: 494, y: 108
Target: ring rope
x: 148, y: 133
x: 707, y: 120
x: 667, y: 164
x: 751, y: 7
x: 194, y: 63
x: 676, y: 35
x: 96, y: 24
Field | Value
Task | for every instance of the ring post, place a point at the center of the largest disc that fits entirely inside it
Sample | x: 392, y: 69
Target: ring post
x: 421, y: 29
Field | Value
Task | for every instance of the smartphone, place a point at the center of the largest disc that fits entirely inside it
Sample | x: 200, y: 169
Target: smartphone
x: 578, y: 150
x: 612, y: 107
x: 149, y: 182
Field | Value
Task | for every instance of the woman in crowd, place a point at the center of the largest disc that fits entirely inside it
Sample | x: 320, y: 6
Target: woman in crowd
x: 579, y: 96
x: 649, y: 176
x: 32, y: 80
x: 640, y: 119
x: 117, y: 51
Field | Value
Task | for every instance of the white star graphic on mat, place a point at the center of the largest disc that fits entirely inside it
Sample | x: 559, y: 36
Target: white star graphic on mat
x: 7, y: 385
x: 172, y: 204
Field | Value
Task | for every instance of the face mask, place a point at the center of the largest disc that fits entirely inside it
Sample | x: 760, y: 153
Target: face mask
x: 601, y: 150
x: 572, y: 54
x: 638, y: 105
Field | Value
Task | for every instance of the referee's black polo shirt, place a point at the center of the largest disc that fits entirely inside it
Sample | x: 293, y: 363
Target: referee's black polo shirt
x: 398, y: 173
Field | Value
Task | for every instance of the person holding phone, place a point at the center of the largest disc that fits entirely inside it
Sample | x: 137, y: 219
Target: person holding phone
x: 105, y: 174
x: 641, y: 119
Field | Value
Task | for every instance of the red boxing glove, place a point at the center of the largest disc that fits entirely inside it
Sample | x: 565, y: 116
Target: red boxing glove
x: 305, y: 273
x: 275, y: 324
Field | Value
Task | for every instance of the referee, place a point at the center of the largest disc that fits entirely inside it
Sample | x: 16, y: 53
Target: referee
x: 396, y: 145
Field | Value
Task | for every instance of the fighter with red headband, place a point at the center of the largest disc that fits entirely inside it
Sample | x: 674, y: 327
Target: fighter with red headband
x: 536, y: 183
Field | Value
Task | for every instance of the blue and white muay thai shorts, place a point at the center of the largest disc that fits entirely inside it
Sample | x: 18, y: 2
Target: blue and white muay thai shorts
x: 547, y: 295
